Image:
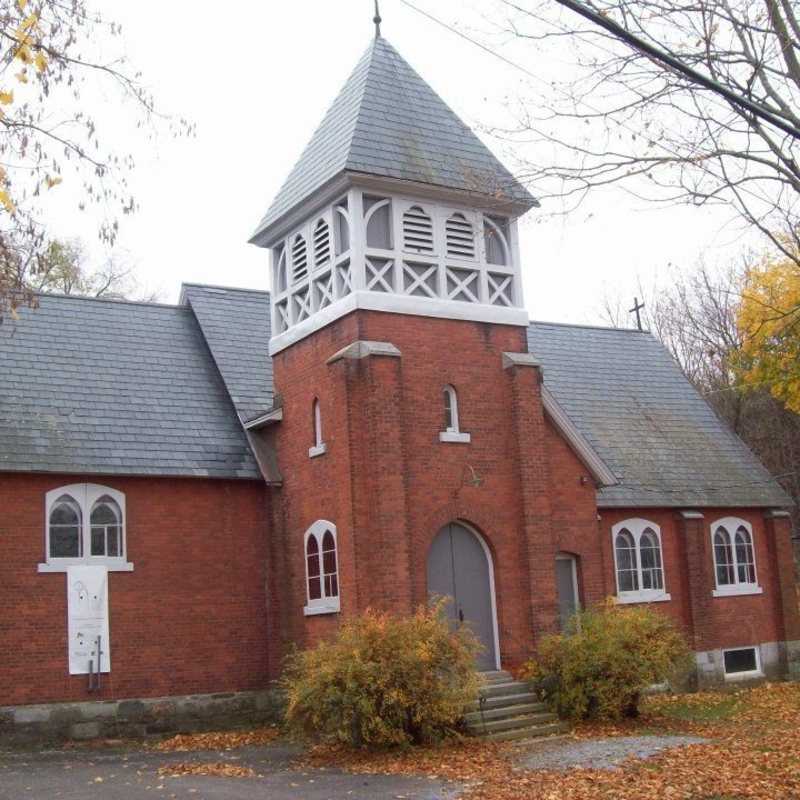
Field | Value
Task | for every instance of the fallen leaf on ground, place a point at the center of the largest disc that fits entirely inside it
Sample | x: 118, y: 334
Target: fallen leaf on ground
x: 217, y: 740
x: 216, y: 768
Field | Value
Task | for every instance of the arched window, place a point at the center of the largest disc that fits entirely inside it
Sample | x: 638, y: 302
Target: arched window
x: 322, y: 572
x: 452, y: 425
x: 281, y: 282
x: 318, y: 447
x: 734, y: 557
x: 106, y: 525
x: 66, y: 540
x: 495, y: 241
x: 638, y: 561
x: 378, y: 222
x: 85, y: 524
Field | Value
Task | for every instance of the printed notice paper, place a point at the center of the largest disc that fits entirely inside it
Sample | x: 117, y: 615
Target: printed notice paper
x: 87, y: 612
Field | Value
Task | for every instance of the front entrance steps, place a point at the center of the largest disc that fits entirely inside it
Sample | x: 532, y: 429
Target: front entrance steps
x: 507, y: 709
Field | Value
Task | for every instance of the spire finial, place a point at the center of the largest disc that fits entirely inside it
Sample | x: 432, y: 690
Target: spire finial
x: 377, y: 20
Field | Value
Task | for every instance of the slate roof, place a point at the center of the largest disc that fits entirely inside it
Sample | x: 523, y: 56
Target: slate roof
x: 627, y: 395
x: 236, y: 325
x: 112, y: 387
x: 387, y: 121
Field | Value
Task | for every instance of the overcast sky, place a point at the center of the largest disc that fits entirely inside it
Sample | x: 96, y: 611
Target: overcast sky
x: 257, y: 77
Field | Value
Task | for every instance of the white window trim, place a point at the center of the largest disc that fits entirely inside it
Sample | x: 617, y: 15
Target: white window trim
x: 637, y: 526
x: 758, y: 672
x: 736, y: 589
x: 319, y: 447
x: 323, y: 605
x: 453, y: 433
x: 85, y: 495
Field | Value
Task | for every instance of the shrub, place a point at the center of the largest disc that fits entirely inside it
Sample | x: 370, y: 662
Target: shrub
x: 383, y: 680
x: 600, y: 666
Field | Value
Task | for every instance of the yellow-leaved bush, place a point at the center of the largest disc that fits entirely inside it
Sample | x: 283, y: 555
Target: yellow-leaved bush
x: 383, y: 680
x: 599, y: 667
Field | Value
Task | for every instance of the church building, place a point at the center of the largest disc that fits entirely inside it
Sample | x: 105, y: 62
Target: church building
x: 189, y: 491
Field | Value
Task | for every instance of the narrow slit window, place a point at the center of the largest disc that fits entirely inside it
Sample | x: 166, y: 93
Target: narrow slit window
x: 451, y: 410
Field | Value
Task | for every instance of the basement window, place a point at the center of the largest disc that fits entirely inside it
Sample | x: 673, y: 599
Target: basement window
x: 744, y: 662
x: 318, y: 448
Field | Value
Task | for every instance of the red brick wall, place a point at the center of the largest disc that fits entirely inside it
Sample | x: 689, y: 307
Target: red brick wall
x: 191, y: 616
x: 718, y: 622
x: 389, y: 484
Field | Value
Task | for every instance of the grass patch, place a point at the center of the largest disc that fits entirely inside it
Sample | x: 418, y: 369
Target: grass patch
x: 709, y: 710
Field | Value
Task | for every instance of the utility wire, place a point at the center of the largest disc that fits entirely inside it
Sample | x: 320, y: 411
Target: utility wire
x: 677, y: 65
x: 550, y: 86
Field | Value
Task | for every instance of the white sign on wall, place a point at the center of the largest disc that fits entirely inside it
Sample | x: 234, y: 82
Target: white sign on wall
x: 87, y: 615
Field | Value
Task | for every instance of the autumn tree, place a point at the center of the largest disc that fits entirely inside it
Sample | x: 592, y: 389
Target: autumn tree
x: 619, y: 116
x: 768, y: 319
x: 51, y: 66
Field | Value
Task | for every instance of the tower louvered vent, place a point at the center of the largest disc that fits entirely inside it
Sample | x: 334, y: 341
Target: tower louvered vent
x: 460, y: 237
x: 299, y: 259
x: 417, y: 230
x: 322, y: 243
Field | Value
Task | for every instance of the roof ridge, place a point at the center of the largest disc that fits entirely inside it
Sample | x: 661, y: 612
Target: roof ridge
x: 588, y: 326
x: 117, y: 300
x: 185, y: 284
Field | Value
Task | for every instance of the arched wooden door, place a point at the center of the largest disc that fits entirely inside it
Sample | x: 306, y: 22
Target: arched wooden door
x: 460, y: 567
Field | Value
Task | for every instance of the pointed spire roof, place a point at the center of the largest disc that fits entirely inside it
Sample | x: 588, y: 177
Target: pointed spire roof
x: 388, y: 122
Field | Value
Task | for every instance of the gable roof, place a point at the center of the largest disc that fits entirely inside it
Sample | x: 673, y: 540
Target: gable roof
x: 387, y: 121
x: 111, y: 387
x: 237, y: 328
x: 629, y: 398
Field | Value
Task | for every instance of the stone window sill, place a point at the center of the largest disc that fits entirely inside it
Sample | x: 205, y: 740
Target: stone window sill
x: 317, y: 450
x: 61, y: 565
x: 643, y: 597
x: 454, y: 436
x: 737, y: 590
x: 328, y: 607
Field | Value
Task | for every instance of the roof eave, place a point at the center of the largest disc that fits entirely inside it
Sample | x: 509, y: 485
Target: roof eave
x: 270, y: 231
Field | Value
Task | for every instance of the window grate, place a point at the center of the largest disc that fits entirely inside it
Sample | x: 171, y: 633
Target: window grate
x: 417, y: 230
x: 322, y: 243
x: 299, y: 259
x: 460, y: 237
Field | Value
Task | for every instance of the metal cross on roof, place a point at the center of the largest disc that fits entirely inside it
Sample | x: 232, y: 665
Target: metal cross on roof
x: 377, y: 20
x: 637, y: 307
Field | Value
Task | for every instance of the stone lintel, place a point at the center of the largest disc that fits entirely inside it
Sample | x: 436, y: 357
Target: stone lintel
x: 363, y: 349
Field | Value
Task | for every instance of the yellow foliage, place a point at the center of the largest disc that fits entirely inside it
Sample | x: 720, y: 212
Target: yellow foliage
x: 53, y: 181
x: 769, y: 325
x: 383, y: 680
x: 6, y: 201
x: 6, y: 98
x: 22, y: 76
x: 599, y: 668
x: 41, y: 61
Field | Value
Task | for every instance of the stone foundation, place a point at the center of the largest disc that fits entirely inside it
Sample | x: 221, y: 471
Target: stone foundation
x: 53, y: 722
x: 779, y: 661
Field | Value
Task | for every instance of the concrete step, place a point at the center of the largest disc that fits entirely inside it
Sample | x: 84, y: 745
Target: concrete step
x: 503, y: 701
x: 503, y: 689
x: 504, y: 712
x: 535, y: 732
x: 513, y: 723
x: 496, y: 676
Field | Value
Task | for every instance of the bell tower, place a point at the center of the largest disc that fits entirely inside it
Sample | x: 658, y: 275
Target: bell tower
x: 410, y: 417
x: 395, y: 205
